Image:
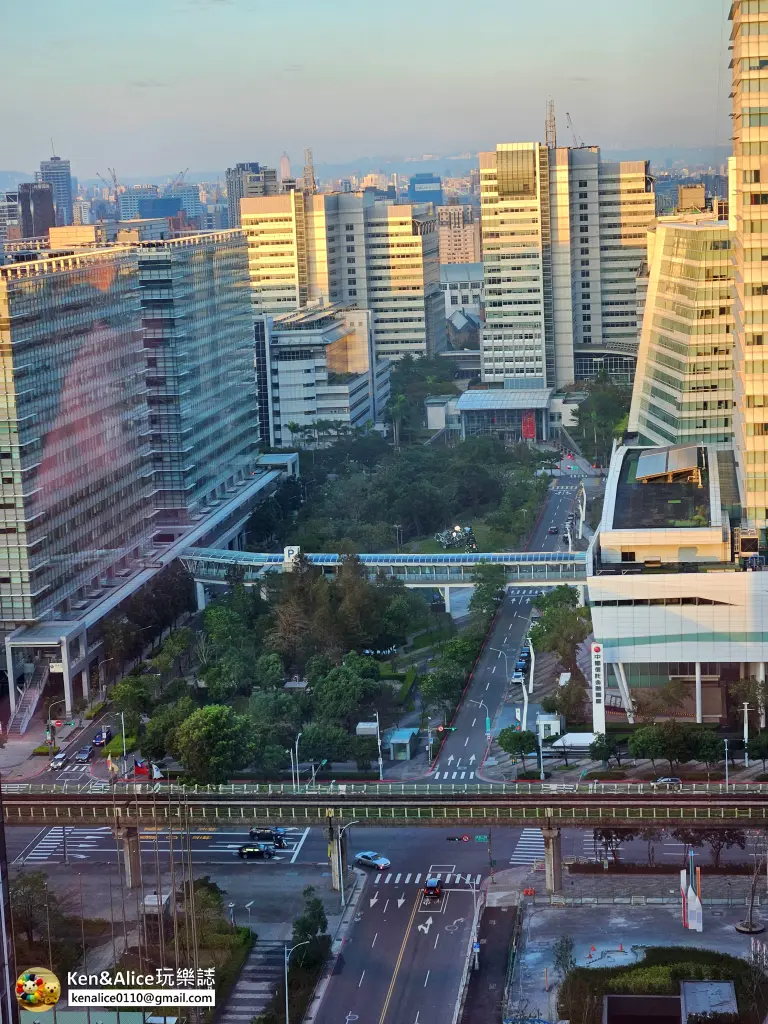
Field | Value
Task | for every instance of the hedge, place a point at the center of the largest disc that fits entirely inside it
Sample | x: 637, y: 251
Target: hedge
x: 44, y: 750
x: 115, y: 746
x: 407, y: 685
x: 92, y: 712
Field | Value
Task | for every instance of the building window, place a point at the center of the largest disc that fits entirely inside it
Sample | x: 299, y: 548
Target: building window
x: 350, y: 248
x: 464, y: 300
x: 350, y: 238
x: 628, y: 556
x: 353, y: 293
x: 582, y: 195
x: 586, y: 317
x: 585, y: 252
x: 350, y: 259
x: 583, y: 216
x: 454, y: 300
x: 585, y: 273
x: 349, y: 227
x: 583, y: 206
x: 585, y: 263
x: 584, y: 241
x: 582, y: 184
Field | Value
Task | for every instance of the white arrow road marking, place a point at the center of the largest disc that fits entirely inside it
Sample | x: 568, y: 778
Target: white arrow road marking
x: 374, y: 899
x: 426, y: 926
x: 400, y: 900
x: 472, y: 759
x: 79, y: 856
x: 455, y: 926
x: 451, y: 759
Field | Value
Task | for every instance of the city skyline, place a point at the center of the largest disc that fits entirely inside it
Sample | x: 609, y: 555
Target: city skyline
x: 164, y: 95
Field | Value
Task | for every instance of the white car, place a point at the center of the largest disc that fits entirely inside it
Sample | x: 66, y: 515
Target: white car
x: 369, y: 859
x: 518, y: 677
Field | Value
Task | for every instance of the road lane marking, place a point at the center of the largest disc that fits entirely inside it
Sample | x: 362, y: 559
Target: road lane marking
x: 471, y: 775
x: 473, y: 722
x: 399, y: 960
x: 387, y: 878
x: 385, y: 906
x: 377, y: 878
x: 488, y: 684
x: 301, y: 843
x: 493, y: 672
x: 426, y: 979
x: 466, y: 741
x: 416, y: 879
x: 437, y: 937
x: 361, y: 979
x: 374, y: 940
x: 408, y: 877
x: 463, y: 774
x: 454, y: 775
x: 397, y: 878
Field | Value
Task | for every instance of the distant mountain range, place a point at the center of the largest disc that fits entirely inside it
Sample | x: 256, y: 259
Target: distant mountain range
x: 10, y: 179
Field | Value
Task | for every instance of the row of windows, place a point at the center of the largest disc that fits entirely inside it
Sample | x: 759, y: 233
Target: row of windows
x: 645, y: 602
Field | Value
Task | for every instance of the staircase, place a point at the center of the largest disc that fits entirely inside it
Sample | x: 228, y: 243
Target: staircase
x: 260, y: 978
x: 29, y: 698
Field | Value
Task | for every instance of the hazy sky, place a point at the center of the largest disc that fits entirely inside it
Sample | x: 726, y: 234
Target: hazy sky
x: 154, y: 86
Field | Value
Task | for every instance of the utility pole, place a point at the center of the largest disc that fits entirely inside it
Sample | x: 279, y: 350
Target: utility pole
x: 726, y: 764
x: 491, y: 861
x: 746, y: 709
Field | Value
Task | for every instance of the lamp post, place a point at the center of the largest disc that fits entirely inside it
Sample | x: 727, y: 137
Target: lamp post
x: 103, y: 679
x: 125, y: 752
x: 287, y: 957
x: 248, y: 908
x: 746, y: 709
x: 541, y: 752
x: 339, y: 834
x: 297, y: 758
x: 293, y: 779
x: 429, y: 738
x: 51, y: 739
x: 378, y: 743
x: 506, y: 663
x: 482, y: 704
x: 726, y: 764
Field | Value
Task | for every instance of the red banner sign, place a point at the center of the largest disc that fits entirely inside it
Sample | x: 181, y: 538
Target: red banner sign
x: 529, y: 425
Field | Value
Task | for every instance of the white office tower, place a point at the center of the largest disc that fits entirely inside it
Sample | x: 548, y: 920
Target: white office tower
x: 563, y: 236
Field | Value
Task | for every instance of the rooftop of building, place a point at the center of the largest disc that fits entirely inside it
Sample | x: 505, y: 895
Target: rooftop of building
x: 662, y: 500
x: 460, y: 272
x: 504, y: 398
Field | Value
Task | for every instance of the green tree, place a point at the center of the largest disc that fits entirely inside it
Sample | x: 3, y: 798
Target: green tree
x: 365, y: 751
x: 562, y: 627
x: 34, y: 904
x: 611, y: 839
x: 599, y: 418
x: 213, y: 743
x: 516, y: 743
x: 570, y: 700
x: 603, y: 748
x: 757, y: 747
x: 707, y: 747
x: 677, y: 743
x: 159, y: 736
x: 321, y: 741
x: 269, y: 671
x: 720, y: 839
x: 489, y: 579
x: 647, y: 742
x: 131, y: 697
x: 441, y: 688
x: 311, y: 927
x: 564, y: 957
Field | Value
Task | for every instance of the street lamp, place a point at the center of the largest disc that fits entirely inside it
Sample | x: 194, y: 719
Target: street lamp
x: 51, y: 740
x: 482, y: 704
x: 248, y: 908
x: 541, y: 752
x: 297, y: 758
x: 429, y: 737
x: 293, y: 781
x: 746, y: 709
x: 287, y: 957
x: 339, y: 834
x: 378, y: 742
x: 506, y: 663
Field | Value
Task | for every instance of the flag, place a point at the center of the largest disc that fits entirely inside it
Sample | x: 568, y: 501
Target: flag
x: 111, y: 766
x: 156, y: 773
x: 140, y: 767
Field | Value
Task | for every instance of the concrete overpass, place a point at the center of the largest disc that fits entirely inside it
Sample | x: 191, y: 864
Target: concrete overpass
x: 211, y: 566
x: 129, y: 807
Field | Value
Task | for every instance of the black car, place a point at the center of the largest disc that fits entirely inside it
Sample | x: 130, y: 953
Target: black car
x: 553, y: 529
x: 274, y: 835
x: 255, y: 851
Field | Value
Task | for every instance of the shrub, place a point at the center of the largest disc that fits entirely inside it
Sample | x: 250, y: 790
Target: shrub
x: 115, y: 746
x: 92, y: 712
x: 44, y: 750
x: 407, y: 685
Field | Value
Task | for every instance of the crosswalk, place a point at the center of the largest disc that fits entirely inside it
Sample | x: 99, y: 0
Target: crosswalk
x: 80, y: 842
x: 416, y: 878
x: 457, y: 776
x: 529, y: 848
x: 259, y: 979
x: 522, y: 595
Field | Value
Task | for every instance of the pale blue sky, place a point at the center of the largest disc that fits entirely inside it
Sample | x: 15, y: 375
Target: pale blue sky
x: 153, y: 86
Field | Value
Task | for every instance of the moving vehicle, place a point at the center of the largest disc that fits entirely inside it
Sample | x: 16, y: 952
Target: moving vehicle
x: 102, y: 737
x: 58, y: 762
x: 369, y: 859
x: 270, y: 834
x: 84, y: 755
x: 553, y: 529
x: 518, y: 677
x: 255, y: 851
x: 433, y: 889
x: 668, y: 780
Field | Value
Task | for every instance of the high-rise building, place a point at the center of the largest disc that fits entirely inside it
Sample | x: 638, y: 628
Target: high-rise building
x: 248, y: 180
x: 57, y: 172
x: 188, y: 197
x: 81, y: 211
x: 459, y: 233
x: 198, y: 339
x: 318, y: 367
x: 27, y: 212
x: 425, y: 188
x: 683, y: 388
x: 563, y: 237
x: 285, y: 167
x: 346, y: 247
x: 74, y: 470
x: 132, y: 203
x: 750, y: 252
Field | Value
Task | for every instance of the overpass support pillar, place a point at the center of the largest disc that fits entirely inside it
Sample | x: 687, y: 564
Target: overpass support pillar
x: 447, y: 593
x: 200, y: 593
x: 129, y: 839
x: 553, y: 859
x: 761, y: 701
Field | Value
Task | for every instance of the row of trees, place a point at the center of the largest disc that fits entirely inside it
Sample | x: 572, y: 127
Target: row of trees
x: 675, y: 743
x: 601, y: 416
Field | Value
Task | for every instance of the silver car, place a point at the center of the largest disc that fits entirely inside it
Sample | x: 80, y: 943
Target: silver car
x: 369, y: 859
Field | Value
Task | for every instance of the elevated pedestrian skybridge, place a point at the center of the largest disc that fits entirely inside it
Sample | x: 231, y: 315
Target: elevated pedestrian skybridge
x: 211, y: 565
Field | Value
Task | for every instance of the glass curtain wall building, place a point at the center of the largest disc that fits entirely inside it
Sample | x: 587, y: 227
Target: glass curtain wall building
x: 74, y: 469
x: 684, y: 384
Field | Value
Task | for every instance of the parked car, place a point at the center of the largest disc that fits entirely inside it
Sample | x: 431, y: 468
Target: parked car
x: 84, y: 755
x: 433, y: 889
x: 521, y: 665
x: 270, y: 834
x: 369, y: 859
x: 102, y: 737
x: 553, y: 529
x: 58, y: 762
x: 255, y: 851
x: 518, y: 677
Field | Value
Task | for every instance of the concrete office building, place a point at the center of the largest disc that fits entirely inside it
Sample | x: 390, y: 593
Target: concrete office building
x: 188, y: 198
x: 462, y: 285
x: 683, y: 389
x: 345, y: 247
x: 57, y: 173
x: 459, y: 234
x: 318, y: 364
x: 668, y: 584
x: 129, y: 203
x: 563, y: 236
x: 198, y: 339
x: 248, y: 180
x: 27, y: 212
x: 749, y: 200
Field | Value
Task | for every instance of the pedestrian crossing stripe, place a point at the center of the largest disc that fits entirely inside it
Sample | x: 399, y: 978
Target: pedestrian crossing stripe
x: 529, y: 848
x: 452, y: 878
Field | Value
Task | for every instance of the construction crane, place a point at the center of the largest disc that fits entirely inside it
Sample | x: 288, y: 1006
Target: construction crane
x: 310, y: 185
x: 178, y: 180
x: 577, y: 142
x: 113, y: 183
x: 550, y: 126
